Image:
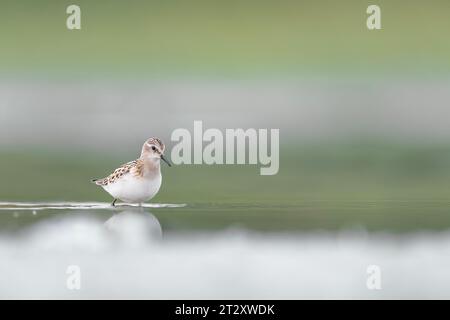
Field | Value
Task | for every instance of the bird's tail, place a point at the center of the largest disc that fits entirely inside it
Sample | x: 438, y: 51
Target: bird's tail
x: 99, y: 182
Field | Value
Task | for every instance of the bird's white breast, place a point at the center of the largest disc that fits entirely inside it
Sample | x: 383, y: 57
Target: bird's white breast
x: 130, y: 188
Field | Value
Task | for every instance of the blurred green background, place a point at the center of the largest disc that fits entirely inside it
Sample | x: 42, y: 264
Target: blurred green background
x: 227, y: 37
x: 363, y: 115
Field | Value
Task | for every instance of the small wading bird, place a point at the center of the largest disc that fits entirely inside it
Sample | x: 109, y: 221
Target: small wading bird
x: 139, y: 180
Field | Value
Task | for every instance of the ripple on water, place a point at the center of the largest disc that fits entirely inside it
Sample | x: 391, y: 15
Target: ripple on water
x: 34, y: 206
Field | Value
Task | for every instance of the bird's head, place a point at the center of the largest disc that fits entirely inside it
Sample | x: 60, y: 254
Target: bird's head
x: 153, y: 149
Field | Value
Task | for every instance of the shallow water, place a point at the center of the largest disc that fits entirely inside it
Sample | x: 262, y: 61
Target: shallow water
x: 136, y: 252
x: 24, y: 206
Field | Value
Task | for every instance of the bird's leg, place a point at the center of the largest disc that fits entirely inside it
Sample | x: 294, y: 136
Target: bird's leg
x: 114, y: 203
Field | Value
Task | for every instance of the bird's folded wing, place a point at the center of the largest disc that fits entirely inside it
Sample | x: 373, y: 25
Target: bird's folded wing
x: 132, y: 166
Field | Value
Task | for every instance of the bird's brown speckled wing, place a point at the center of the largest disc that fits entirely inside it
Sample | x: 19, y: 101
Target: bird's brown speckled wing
x: 134, y: 167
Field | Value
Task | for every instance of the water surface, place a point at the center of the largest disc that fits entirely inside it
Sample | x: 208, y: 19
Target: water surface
x: 150, y: 252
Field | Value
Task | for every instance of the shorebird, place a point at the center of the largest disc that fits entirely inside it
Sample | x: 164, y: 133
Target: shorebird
x: 139, y: 180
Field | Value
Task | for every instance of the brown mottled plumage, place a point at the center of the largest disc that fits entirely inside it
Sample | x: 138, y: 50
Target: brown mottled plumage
x: 136, y: 167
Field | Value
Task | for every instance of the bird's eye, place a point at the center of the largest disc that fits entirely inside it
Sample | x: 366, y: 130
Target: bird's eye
x: 153, y: 148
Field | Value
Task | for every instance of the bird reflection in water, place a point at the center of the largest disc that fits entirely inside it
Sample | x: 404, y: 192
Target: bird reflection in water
x: 134, y: 227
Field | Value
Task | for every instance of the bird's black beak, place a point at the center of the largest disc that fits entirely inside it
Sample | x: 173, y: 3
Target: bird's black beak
x: 165, y: 160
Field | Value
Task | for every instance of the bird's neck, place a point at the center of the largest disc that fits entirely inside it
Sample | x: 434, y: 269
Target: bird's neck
x: 152, y: 166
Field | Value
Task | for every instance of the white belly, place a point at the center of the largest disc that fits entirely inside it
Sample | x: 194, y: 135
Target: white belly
x: 135, y: 190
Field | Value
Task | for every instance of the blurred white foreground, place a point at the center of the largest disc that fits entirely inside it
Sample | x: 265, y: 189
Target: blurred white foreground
x: 129, y: 256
